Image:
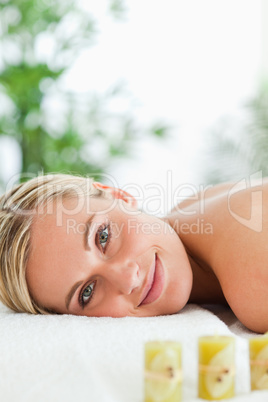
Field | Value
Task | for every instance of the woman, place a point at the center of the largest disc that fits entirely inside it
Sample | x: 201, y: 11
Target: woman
x: 69, y: 245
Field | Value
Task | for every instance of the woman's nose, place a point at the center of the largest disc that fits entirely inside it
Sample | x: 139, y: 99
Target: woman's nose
x: 124, y: 276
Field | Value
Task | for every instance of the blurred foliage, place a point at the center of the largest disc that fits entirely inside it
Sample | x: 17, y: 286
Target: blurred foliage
x: 240, y: 148
x: 59, y: 130
x: 118, y: 8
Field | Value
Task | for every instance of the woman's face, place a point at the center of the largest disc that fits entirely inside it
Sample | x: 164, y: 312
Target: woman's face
x: 100, y: 257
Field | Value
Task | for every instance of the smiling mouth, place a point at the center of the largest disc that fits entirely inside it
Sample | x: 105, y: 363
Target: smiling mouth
x: 155, y: 283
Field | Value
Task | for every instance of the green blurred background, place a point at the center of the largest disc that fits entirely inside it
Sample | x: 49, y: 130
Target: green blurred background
x: 27, y: 85
x: 67, y: 139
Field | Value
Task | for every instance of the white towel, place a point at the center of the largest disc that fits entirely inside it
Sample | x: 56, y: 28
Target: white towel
x: 68, y: 358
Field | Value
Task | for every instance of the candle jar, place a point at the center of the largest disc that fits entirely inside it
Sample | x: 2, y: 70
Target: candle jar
x: 216, y: 367
x: 163, y: 375
x: 258, y: 351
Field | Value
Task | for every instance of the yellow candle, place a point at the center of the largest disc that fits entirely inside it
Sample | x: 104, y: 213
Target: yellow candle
x: 216, y: 367
x: 258, y: 350
x: 163, y: 376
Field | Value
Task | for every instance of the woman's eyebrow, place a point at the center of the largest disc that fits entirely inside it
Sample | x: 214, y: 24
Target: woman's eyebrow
x: 71, y: 293
x: 88, y: 225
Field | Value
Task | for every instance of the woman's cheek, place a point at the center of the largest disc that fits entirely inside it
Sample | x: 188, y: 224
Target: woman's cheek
x: 112, y: 308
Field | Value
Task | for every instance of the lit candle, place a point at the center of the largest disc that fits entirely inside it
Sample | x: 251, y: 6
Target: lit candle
x: 163, y: 375
x: 216, y: 367
x: 258, y: 351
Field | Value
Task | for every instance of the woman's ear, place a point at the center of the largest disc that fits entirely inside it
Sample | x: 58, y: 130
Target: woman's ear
x: 117, y: 193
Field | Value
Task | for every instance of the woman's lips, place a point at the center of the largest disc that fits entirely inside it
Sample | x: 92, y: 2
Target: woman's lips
x: 155, y: 283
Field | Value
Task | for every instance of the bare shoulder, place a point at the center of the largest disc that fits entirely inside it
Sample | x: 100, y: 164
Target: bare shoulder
x: 241, y: 259
x: 218, y: 215
x: 228, y: 230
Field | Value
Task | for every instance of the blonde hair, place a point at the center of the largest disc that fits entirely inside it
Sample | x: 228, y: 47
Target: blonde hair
x: 17, y: 210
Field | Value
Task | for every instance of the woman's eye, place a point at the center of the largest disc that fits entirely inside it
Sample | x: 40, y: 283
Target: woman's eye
x: 87, y: 293
x: 104, y: 237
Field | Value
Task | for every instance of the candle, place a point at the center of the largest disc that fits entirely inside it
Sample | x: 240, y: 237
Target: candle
x: 216, y: 367
x: 258, y: 350
x: 163, y: 375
